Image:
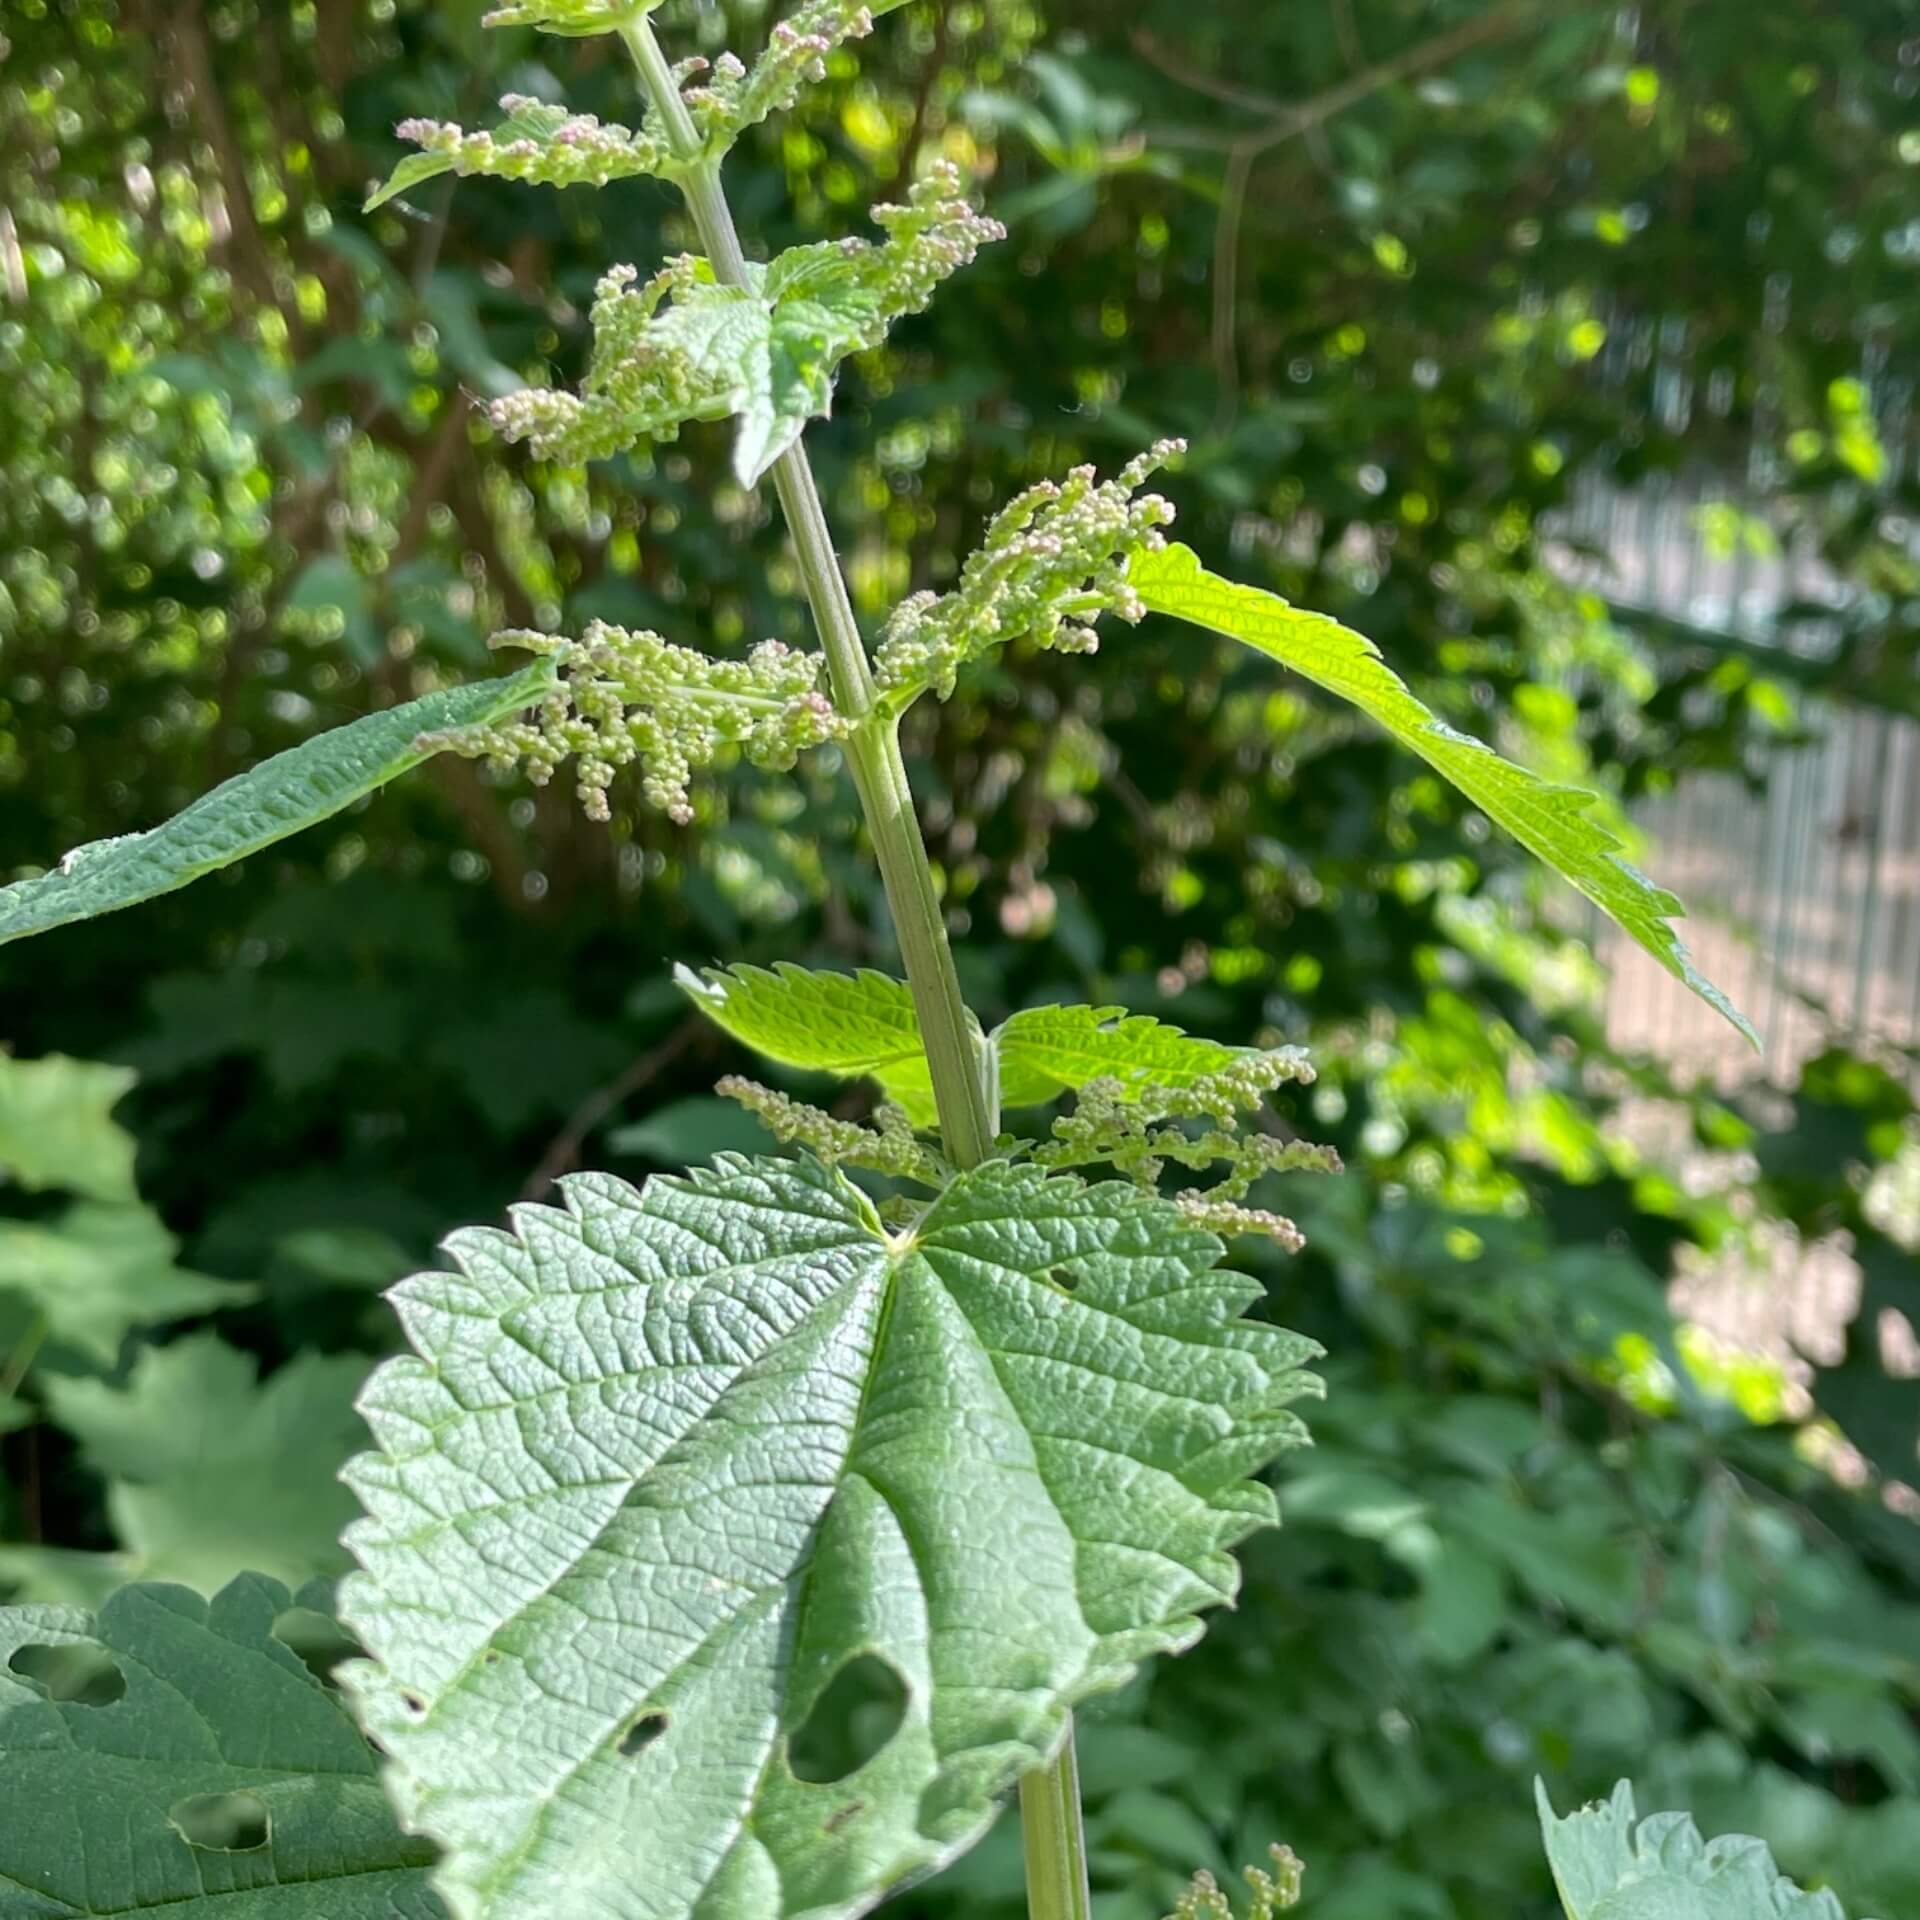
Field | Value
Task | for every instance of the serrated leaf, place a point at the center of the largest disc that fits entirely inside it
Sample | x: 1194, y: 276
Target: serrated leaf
x: 668, y: 1462
x: 96, y: 1272
x: 1607, y: 1868
x: 296, y: 789
x: 1555, y: 823
x: 864, y: 1025
x: 572, y: 18
x: 209, y: 1704
x: 851, y: 1024
x: 1045, y: 1051
x: 211, y: 1471
x: 57, y: 1129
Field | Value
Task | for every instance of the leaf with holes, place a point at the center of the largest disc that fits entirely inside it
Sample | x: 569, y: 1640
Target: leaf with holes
x: 296, y: 789
x: 172, y: 1756
x: 1555, y: 823
x: 1607, y: 1868
x: 691, y: 1488
x: 57, y: 1130
x: 210, y: 1471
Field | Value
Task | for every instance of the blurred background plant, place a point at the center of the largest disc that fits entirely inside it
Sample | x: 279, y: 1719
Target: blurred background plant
x: 1568, y: 351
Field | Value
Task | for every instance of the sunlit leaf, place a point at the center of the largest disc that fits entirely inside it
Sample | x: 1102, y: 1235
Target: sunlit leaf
x: 1607, y: 1868
x: 56, y: 1128
x: 679, y: 1472
x: 296, y: 789
x: 1556, y: 823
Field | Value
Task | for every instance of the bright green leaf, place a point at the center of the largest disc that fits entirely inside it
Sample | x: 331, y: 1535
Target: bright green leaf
x: 164, y: 1716
x: 96, y: 1272
x: 270, y: 802
x: 1045, y: 1051
x: 210, y: 1471
x: 56, y: 1128
x: 1607, y: 1869
x: 676, y: 1465
x: 850, y: 1024
x: 1556, y: 823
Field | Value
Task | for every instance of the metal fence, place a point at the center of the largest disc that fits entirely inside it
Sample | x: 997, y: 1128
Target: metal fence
x: 1804, y: 894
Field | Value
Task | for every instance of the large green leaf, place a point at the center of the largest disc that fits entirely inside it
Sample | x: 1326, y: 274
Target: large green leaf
x: 166, y: 1716
x: 96, y: 1272
x: 56, y: 1128
x: 295, y: 789
x: 1556, y: 823
x: 676, y: 1464
x: 864, y: 1024
x: 210, y: 1472
x: 1607, y: 1868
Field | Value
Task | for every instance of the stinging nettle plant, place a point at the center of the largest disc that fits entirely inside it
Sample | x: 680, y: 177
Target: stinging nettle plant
x: 675, y: 1475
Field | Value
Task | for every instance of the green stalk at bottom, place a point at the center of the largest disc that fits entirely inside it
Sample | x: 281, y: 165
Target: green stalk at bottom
x: 1055, y: 1839
x: 1056, y: 1845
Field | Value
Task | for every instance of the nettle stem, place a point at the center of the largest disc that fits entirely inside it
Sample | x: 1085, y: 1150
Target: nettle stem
x: 1056, y: 1846
x: 967, y: 1121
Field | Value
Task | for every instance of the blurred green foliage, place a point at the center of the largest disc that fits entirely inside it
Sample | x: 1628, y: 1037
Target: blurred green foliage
x: 1392, y: 266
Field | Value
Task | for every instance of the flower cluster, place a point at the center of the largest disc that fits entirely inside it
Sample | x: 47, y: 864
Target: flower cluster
x: 680, y: 347
x: 795, y: 56
x: 538, y: 143
x: 1271, y: 1893
x: 1053, y: 561
x: 626, y: 697
x: 651, y: 371
x: 1136, y: 1131
x: 889, y: 1146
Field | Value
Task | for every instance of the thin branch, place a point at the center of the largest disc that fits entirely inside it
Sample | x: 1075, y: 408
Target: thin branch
x: 1288, y: 122
x: 923, y: 104
x: 563, y: 1151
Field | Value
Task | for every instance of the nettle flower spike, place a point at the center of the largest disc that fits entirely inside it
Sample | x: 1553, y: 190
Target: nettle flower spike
x: 538, y: 143
x: 623, y: 698
x: 1136, y: 1131
x: 1053, y: 561
x: 681, y: 347
x: 890, y: 1146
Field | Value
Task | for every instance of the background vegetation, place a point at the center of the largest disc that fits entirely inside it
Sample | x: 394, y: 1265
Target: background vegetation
x: 1384, y: 263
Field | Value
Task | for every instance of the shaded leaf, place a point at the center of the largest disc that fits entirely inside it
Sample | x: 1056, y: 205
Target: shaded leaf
x: 97, y: 1272
x: 189, y: 1712
x: 57, y: 1130
x: 1555, y: 823
x: 295, y: 789
x: 211, y: 1471
x: 672, y: 1461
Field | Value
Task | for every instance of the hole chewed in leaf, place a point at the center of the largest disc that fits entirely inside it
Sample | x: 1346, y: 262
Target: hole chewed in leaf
x: 77, y: 1675
x: 222, y: 1822
x: 643, y: 1733
x: 859, y: 1710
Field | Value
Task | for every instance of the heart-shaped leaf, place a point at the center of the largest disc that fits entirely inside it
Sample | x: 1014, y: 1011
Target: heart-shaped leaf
x: 729, y: 1555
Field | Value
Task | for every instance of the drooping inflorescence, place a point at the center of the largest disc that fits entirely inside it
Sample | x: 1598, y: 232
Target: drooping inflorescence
x: 1136, y: 1131
x: 888, y: 1146
x: 627, y: 697
x: 1052, y: 562
x: 1270, y: 1893
x: 682, y: 347
x: 537, y: 143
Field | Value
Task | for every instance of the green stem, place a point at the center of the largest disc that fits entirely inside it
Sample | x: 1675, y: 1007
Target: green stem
x: 967, y: 1122
x: 1049, y: 1798
x: 1055, y: 1840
